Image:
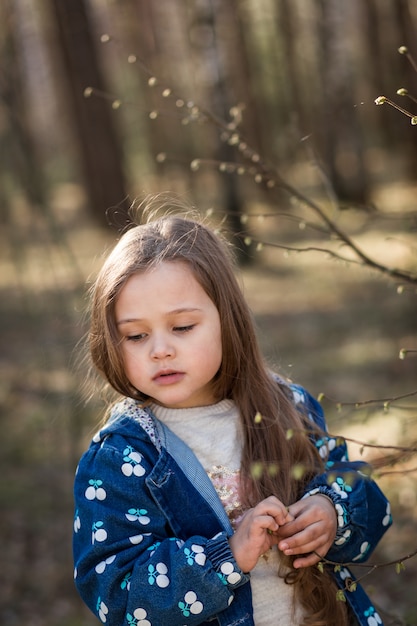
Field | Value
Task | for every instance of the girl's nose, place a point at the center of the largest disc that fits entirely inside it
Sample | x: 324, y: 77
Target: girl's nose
x: 161, y: 348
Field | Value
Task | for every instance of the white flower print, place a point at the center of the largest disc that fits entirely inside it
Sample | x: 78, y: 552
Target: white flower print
x: 100, y: 567
x: 341, y: 540
x: 344, y: 573
x: 363, y: 550
x: 77, y: 523
x: 131, y: 465
x: 95, y: 491
x: 102, y: 610
x: 373, y: 619
x: 136, y: 539
x: 387, y: 519
x: 191, y: 604
x: 341, y: 488
x: 98, y: 532
x: 325, y: 446
x: 228, y: 571
x: 138, y: 515
x: 138, y: 618
x: 158, y: 575
x: 341, y: 515
x: 298, y: 397
x: 195, y: 555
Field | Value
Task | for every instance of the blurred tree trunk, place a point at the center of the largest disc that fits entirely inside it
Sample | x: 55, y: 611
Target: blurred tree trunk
x: 374, y: 66
x: 162, y: 41
x: 101, y: 159
x: 157, y: 34
x: 341, y: 139
x: 139, y: 35
x: 142, y: 35
x: 407, y: 37
x: 240, y: 74
x: 217, y: 25
x: 406, y: 32
x: 287, y: 29
x: 18, y: 149
x: 386, y: 71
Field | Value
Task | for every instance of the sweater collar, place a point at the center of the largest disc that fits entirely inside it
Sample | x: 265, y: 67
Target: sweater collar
x: 213, y: 410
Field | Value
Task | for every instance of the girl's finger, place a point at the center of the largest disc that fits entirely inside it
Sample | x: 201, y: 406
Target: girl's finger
x: 305, y: 548
x: 279, y: 512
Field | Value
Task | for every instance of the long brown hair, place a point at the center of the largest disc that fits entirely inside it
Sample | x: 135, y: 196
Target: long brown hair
x: 276, y: 441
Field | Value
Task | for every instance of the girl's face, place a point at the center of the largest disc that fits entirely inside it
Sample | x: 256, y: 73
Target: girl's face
x: 171, y: 336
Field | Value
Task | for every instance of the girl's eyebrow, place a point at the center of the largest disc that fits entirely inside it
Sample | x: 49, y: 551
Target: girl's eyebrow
x: 131, y: 320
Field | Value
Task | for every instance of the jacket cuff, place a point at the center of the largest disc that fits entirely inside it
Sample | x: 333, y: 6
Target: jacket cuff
x: 343, y: 533
x: 220, y: 555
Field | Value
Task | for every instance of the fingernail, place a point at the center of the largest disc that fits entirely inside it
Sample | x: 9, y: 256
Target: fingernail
x: 283, y: 546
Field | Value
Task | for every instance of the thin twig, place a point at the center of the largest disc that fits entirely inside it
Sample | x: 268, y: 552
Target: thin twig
x: 384, y: 401
x: 231, y: 133
x: 370, y: 566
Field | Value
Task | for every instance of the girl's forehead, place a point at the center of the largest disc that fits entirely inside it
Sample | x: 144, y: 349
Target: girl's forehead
x: 161, y: 270
x: 167, y: 281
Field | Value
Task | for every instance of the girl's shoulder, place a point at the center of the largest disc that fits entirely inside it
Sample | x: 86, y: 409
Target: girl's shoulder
x: 129, y: 419
x: 303, y: 401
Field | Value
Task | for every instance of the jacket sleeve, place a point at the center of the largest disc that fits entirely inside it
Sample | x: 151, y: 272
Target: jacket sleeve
x: 363, y: 512
x: 128, y: 568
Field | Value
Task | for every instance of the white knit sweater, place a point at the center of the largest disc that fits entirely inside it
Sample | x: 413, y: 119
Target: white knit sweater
x: 214, y: 434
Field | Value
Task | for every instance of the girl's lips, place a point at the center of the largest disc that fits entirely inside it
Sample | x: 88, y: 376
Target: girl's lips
x: 168, y: 378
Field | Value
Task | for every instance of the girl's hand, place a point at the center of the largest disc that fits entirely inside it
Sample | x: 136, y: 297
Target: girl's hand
x: 254, y: 535
x: 312, y: 531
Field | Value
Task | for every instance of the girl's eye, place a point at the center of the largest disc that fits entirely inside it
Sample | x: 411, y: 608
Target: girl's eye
x: 136, y: 338
x: 183, y: 329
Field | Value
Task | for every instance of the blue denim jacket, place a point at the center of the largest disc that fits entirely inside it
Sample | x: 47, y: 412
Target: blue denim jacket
x: 151, y: 535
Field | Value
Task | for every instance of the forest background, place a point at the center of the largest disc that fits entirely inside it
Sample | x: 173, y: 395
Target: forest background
x: 261, y: 113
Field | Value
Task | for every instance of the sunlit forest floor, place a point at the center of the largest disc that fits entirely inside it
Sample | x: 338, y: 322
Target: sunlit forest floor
x: 338, y: 330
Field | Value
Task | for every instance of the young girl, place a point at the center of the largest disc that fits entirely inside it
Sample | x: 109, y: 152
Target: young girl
x: 213, y: 491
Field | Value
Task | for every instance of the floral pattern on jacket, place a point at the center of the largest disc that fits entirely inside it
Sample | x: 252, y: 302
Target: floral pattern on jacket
x: 149, y: 549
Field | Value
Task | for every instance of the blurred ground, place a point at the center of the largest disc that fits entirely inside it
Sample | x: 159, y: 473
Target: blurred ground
x: 337, y: 330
